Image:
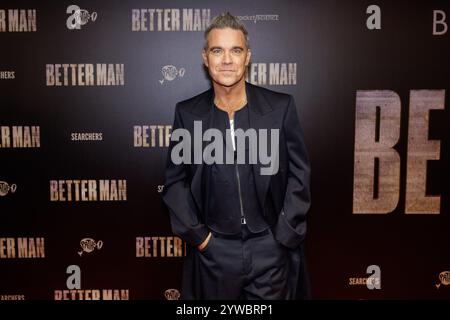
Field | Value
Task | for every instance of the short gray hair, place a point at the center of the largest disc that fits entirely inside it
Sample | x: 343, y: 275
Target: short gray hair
x: 226, y: 20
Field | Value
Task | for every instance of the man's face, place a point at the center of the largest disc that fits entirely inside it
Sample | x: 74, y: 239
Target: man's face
x: 226, y: 56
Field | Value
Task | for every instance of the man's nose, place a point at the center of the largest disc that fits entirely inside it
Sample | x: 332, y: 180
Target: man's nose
x: 227, y: 57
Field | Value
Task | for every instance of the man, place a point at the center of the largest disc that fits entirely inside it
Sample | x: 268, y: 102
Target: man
x: 244, y: 228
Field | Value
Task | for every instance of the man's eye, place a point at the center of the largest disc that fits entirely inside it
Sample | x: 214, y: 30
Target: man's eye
x: 216, y: 51
x: 237, y: 51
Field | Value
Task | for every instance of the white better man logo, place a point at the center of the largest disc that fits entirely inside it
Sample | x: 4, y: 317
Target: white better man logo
x: 78, y: 17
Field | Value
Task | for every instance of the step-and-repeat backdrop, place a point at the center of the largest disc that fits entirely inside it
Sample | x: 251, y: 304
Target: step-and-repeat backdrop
x: 87, y: 97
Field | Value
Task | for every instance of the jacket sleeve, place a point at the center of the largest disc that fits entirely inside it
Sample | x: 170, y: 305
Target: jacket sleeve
x: 178, y: 197
x: 290, y: 229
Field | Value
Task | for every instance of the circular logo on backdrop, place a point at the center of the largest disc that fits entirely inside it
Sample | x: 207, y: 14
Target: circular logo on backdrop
x: 170, y: 72
x: 5, y: 188
x: 88, y: 245
x: 444, y: 277
x: 172, y: 294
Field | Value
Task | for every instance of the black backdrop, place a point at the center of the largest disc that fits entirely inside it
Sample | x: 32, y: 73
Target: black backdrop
x: 329, y: 54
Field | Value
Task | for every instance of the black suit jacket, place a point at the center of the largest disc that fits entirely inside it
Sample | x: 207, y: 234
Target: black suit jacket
x: 284, y: 197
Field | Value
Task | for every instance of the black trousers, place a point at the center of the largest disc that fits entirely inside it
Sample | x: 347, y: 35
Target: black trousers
x: 252, y: 266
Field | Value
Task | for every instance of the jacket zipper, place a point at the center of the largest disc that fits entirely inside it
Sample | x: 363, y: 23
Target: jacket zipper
x: 238, y: 183
x: 240, y: 195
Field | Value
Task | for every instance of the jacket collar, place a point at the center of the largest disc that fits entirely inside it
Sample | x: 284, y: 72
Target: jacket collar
x: 256, y: 101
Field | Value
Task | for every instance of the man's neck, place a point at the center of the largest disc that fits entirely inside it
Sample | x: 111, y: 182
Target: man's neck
x: 230, y: 99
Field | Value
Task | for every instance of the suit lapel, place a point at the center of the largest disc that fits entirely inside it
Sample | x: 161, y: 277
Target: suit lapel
x: 258, y: 108
x: 203, y: 109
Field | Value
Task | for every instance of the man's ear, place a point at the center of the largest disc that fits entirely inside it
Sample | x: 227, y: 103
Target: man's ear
x: 249, y: 55
x: 205, y: 58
